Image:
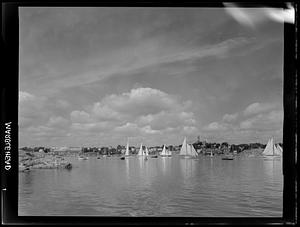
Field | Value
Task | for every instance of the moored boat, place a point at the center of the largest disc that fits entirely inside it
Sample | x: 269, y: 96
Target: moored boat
x: 187, y: 150
x: 141, y: 153
x: 81, y: 157
x: 271, y: 150
x: 127, y: 149
x: 228, y: 157
x: 164, y: 152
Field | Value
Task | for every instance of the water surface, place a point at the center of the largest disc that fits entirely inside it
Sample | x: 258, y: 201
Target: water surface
x: 205, y: 187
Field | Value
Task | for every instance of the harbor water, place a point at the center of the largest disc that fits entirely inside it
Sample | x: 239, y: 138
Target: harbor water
x: 170, y: 187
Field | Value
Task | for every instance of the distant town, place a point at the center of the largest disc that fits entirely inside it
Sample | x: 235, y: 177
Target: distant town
x: 201, y: 147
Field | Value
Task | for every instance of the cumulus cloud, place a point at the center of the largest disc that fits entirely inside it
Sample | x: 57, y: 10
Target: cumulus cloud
x: 103, y: 111
x: 214, y: 126
x: 230, y: 117
x: 31, y: 109
x: 140, y: 112
x: 128, y: 127
x: 80, y: 117
x: 30, y: 104
x: 25, y: 96
x: 258, y: 120
x: 169, y: 119
x: 266, y: 121
x: 190, y: 130
x: 138, y: 108
x: 57, y: 122
x: 148, y: 130
x: 140, y: 101
x: 257, y: 107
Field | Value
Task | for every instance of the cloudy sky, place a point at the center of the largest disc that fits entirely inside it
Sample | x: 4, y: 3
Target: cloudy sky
x: 97, y: 76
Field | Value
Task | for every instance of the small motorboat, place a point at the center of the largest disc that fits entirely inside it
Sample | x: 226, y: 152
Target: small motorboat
x: 98, y: 157
x: 155, y: 156
x: 83, y: 158
x: 122, y: 158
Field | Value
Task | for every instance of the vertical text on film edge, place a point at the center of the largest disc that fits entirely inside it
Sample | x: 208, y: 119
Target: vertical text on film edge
x: 7, y: 147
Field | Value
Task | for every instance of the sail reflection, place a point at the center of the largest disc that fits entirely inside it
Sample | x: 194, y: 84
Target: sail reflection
x: 127, y: 169
x: 142, y: 168
x: 271, y: 167
x: 166, y: 165
x: 187, y: 168
x: 163, y: 165
x: 141, y: 163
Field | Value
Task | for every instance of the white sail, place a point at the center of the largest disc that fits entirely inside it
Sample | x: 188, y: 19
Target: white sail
x: 141, y: 150
x: 192, y: 150
x: 269, y: 148
x: 127, y: 149
x: 147, y: 152
x: 163, y: 153
x: 183, y: 150
x: 187, y: 149
x: 277, y: 150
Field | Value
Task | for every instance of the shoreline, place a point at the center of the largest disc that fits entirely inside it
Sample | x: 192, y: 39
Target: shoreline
x: 29, y: 160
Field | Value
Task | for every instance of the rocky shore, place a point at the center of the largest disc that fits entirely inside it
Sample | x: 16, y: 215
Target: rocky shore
x: 41, y: 160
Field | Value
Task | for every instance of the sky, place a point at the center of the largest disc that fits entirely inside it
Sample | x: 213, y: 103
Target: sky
x: 102, y: 76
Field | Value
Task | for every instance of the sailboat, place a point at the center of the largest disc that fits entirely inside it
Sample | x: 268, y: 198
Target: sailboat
x: 187, y: 150
x: 141, y: 153
x: 127, y: 149
x: 164, y: 152
x: 271, y: 150
x: 126, y: 152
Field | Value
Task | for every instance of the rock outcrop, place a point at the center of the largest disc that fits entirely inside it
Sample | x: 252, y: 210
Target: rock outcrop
x: 41, y: 160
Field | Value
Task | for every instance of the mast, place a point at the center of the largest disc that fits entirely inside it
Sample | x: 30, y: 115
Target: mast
x: 193, y: 151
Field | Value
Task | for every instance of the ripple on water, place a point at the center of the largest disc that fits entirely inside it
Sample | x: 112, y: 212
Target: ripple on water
x: 173, y: 187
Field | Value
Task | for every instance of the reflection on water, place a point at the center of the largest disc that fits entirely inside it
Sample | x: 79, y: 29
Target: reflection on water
x: 166, y: 165
x: 155, y: 187
x: 187, y: 168
x: 271, y: 166
x: 127, y: 168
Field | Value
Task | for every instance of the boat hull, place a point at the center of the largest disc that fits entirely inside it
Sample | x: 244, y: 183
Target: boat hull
x: 227, y: 158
